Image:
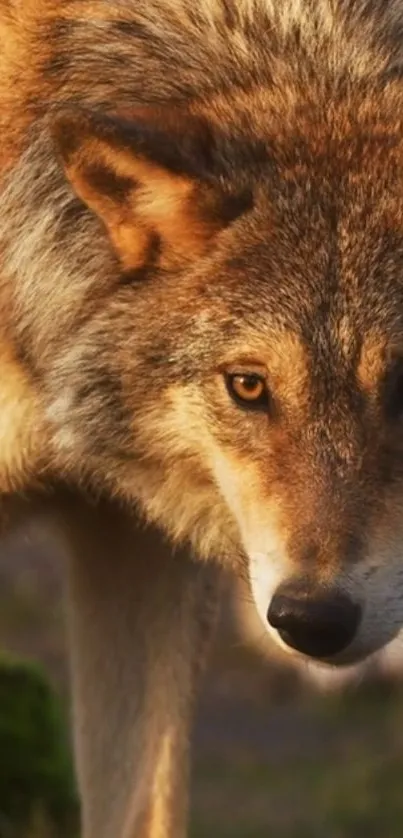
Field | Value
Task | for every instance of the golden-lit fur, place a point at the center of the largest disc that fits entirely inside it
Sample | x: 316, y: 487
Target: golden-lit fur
x: 190, y: 190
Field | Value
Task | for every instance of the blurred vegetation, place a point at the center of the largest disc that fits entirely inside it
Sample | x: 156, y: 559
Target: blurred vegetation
x: 347, y: 784
x: 271, y: 756
x: 37, y: 790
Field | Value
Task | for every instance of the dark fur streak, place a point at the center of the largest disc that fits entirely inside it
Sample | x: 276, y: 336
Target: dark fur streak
x: 26, y: 357
x: 236, y: 205
x: 58, y: 63
x: 69, y: 140
x: 103, y: 380
x: 107, y: 182
x: 71, y: 217
x: 230, y: 14
x: 116, y: 416
x: 60, y: 30
x: 130, y: 28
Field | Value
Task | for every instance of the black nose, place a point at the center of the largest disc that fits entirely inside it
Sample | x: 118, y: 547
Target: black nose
x: 318, y: 624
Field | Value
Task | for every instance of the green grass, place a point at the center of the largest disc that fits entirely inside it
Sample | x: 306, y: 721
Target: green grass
x: 348, y: 786
x: 37, y: 788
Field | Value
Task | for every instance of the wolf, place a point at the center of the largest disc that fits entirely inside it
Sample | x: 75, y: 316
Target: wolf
x: 201, y: 346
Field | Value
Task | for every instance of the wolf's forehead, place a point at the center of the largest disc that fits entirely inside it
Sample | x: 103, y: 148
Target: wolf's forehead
x: 301, y: 336
x: 327, y: 284
x: 317, y: 258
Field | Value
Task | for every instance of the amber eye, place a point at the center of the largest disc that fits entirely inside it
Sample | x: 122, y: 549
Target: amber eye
x: 248, y: 390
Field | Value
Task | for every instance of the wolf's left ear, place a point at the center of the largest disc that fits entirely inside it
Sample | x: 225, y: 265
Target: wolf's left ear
x: 148, y: 176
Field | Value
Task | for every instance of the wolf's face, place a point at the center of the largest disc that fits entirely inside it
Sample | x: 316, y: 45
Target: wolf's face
x: 243, y: 379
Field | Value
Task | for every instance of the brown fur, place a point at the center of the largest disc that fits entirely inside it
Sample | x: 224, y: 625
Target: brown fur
x: 188, y: 191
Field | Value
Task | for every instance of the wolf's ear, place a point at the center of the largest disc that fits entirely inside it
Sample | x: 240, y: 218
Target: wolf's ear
x: 148, y: 176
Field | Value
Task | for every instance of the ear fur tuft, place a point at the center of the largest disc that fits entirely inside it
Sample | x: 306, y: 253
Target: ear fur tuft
x: 143, y: 176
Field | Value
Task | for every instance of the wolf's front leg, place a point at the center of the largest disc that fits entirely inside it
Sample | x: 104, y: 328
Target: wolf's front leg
x: 139, y: 623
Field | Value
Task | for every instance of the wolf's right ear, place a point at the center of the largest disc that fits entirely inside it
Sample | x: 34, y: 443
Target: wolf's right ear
x: 148, y: 176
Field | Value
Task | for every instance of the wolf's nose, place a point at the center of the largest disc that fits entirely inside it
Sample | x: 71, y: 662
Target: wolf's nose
x: 318, y: 624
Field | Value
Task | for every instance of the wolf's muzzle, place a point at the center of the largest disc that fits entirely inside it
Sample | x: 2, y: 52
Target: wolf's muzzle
x: 320, y: 623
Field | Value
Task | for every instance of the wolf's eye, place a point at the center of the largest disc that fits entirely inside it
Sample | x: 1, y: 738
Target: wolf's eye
x: 248, y: 390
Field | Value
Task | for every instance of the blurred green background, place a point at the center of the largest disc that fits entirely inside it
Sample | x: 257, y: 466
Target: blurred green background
x: 273, y: 754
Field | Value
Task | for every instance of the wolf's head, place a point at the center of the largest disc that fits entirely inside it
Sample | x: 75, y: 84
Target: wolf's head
x: 211, y: 297
x: 249, y: 361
